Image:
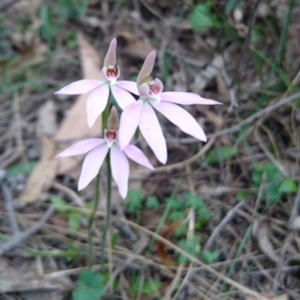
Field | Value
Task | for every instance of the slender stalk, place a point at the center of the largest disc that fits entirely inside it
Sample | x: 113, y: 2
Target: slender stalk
x: 91, y: 220
x: 105, y: 115
x: 108, y: 202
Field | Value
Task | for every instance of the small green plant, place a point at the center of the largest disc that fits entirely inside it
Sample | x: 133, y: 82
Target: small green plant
x: 191, y: 246
x: 21, y: 168
x: 177, y: 208
x: 202, y: 17
x: 55, y: 16
x: 209, y: 257
x: 276, y: 184
x: 90, y: 286
x: 134, y: 200
x: 150, y: 287
x: 220, y: 154
x: 152, y: 202
x: 74, y: 217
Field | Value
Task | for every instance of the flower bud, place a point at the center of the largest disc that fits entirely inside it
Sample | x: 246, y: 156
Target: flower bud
x: 113, y: 119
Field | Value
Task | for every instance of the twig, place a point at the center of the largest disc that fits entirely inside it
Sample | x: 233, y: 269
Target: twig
x: 10, y: 209
x: 5, y: 4
x: 69, y: 192
x: 127, y: 262
x: 268, y: 153
x: 233, y: 101
x: 296, y: 206
x: 246, y: 43
x: 20, y: 238
x: 91, y: 220
x: 153, y: 11
x: 217, y: 229
x: 124, y: 228
x: 189, y: 160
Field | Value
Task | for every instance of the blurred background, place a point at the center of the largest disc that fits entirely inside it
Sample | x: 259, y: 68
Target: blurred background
x: 228, y: 209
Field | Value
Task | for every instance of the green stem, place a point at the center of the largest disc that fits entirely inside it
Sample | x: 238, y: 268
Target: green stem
x: 105, y: 116
x: 108, y: 202
x: 91, y: 220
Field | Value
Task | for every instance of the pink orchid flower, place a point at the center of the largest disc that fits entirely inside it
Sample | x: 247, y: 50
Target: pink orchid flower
x: 97, y: 150
x: 98, y: 98
x: 141, y: 114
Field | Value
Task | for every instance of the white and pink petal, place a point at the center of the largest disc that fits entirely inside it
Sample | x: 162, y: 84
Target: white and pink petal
x: 123, y: 97
x: 96, y: 103
x: 119, y: 169
x: 136, y: 154
x: 152, y: 132
x: 129, y: 122
x: 81, y: 147
x: 129, y: 86
x: 80, y: 87
x: 91, y: 165
x: 180, y: 117
x: 186, y: 98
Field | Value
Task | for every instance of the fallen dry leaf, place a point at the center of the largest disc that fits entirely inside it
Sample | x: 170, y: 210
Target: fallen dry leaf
x: 43, y: 174
x: 295, y: 223
x: 161, y: 247
x: 135, y: 45
x: 269, y: 296
x: 47, y: 119
x: 282, y: 297
x: 25, y: 278
x: 74, y: 126
x: 261, y: 231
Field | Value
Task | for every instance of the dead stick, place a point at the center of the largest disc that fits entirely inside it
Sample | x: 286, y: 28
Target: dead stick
x: 20, y: 238
x: 10, y: 209
x: 222, y: 224
x: 5, y: 4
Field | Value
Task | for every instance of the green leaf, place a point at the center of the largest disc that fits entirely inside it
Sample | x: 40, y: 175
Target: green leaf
x: 201, y: 18
x: 149, y: 288
x: 288, y: 186
x: 134, y: 200
x: 74, y: 221
x: 241, y: 195
x: 176, y: 215
x: 180, y: 232
x: 272, y: 192
x: 230, y: 5
x: 201, y: 210
x: 90, y: 205
x: 59, y: 203
x: 21, y: 168
x: 220, y: 154
x: 71, y: 253
x: 152, y: 202
x: 273, y: 174
x: 90, y: 286
x: 191, y: 246
x: 114, y: 239
x: 174, y: 204
x: 209, y: 257
x: 257, y: 176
